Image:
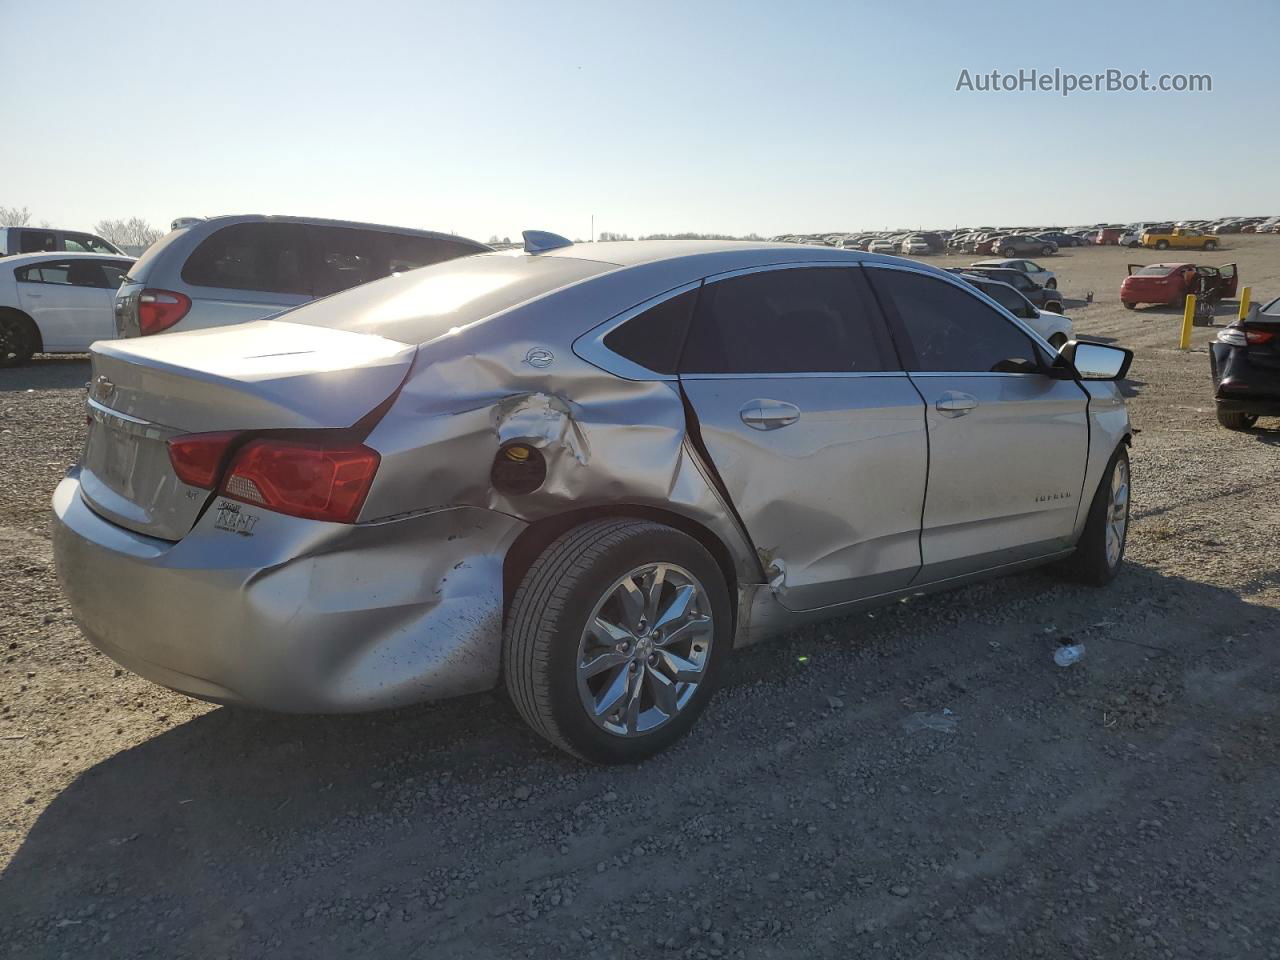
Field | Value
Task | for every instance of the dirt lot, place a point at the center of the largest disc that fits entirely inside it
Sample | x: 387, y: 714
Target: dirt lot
x: 1124, y: 806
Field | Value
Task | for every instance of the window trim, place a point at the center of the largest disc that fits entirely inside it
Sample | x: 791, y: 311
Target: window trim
x: 972, y: 291
x: 591, y: 348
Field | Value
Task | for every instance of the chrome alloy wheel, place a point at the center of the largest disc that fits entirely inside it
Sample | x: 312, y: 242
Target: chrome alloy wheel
x: 1117, y: 511
x: 645, y: 649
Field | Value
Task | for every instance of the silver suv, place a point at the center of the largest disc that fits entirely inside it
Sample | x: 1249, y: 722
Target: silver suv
x: 210, y: 273
x: 587, y: 471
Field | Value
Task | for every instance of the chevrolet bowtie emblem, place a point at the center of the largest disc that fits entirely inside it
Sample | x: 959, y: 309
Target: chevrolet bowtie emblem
x: 103, y: 388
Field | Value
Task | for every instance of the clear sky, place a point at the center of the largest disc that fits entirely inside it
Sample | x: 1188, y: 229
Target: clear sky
x: 491, y: 117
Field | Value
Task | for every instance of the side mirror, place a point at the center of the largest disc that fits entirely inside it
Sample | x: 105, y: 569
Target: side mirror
x: 1095, y: 361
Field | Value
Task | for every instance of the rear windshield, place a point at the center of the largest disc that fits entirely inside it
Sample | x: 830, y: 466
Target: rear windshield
x: 421, y: 305
x: 1156, y: 271
x: 138, y: 272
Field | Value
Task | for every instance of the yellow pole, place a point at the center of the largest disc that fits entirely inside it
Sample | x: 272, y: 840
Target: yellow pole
x: 1244, y: 303
x: 1188, y: 315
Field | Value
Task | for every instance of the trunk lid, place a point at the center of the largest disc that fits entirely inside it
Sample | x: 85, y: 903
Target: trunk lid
x: 267, y: 375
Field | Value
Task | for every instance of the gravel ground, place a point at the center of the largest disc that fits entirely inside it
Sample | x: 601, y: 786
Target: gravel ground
x: 921, y: 781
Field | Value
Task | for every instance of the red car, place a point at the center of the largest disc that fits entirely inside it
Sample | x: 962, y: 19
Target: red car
x: 1169, y: 283
x: 1110, y: 236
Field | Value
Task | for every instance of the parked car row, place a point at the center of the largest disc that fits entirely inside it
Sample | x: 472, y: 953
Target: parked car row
x: 204, y: 273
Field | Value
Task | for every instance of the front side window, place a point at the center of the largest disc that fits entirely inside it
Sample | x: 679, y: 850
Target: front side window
x: 1010, y: 299
x: 804, y: 320
x: 948, y: 330
x: 265, y: 257
x: 87, y: 243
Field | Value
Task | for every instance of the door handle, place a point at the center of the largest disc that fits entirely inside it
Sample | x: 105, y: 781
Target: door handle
x: 955, y: 404
x: 33, y: 296
x: 768, y: 414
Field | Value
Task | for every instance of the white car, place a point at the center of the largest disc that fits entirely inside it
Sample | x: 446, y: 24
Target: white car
x: 883, y: 246
x: 1046, y: 278
x: 915, y: 245
x: 57, y: 302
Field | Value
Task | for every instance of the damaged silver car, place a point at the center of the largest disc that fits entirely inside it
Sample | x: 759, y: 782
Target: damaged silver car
x: 588, y: 472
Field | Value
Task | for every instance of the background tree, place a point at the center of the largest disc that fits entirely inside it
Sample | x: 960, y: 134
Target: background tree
x: 14, y: 216
x: 134, y: 232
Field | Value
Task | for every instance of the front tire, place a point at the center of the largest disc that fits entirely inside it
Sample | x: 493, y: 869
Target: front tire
x: 1007, y: 252
x: 1236, y: 421
x: 1052, y: 284
x: 1100, y: 551
x: 1046, y: 251
x: 1128, y: 304
x: 615, y: 639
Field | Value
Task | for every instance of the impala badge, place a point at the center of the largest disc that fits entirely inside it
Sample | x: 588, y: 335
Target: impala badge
x: 539, y: 357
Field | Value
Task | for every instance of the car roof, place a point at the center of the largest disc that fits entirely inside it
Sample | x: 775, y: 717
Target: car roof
x: 710, y: 255
x: 1170, y: 266
x: 228, y: 219
x: 998, y: 263
x: 23, y: 258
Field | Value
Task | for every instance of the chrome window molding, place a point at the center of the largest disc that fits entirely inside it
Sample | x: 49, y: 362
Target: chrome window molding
x: 830, y: 375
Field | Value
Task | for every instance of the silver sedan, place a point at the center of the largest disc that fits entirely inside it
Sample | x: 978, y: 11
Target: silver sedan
x: 588, y: 472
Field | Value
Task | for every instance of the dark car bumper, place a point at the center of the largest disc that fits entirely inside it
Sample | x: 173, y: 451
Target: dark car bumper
x: 1242, y: 386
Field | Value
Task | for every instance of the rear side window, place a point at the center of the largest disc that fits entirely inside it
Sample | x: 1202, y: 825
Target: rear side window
x: 945, y: 329
x: 409, y: 253
x: 342, y: 257
x: 44, y: 273
x: 36, y: 241
x: 267, y: 257
x: 805, y: 320
x: 653, y: 339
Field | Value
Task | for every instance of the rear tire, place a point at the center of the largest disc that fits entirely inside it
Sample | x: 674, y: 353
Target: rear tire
x: 1046, y: 251
x: 646, y: 693
x: 1236, y: 421
x: 17, y: 340
x: 1211, y: 245
x: 1007, y: 252
x: 1100, y: 552
x: 1162, y: 244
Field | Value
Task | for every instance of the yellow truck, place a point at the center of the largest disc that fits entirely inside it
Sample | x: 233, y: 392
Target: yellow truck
x: 1180, y: 238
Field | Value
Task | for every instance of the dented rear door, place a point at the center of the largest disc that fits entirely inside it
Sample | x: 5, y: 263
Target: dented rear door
x: 817, y: 435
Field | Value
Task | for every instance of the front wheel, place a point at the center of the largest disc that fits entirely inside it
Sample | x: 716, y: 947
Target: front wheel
x: 1128, y: 304
x: 615, y: 639
x: 1236, y: 421
x: 1007, y: 252
x: 1046, y: 251
x: 1101, y: 548
x: 1052, y: 284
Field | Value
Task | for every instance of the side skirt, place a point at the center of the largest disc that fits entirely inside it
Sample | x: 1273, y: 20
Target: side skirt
x: 761, y: 616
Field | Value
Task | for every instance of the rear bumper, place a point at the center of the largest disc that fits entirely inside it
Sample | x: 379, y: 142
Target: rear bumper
x: 297, y: 616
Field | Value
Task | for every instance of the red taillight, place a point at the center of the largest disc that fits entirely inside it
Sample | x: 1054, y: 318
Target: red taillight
x: 158, y: 310
x: 1258, y: 336
x: 198, y: 458
x: 302, y: 479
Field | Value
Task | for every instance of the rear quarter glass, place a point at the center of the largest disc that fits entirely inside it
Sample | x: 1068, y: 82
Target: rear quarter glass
x: 139, y: 272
